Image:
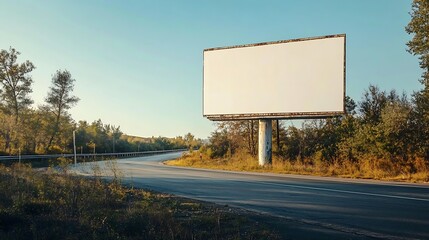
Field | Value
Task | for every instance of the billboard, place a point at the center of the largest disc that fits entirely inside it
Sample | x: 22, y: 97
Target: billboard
x: 299, y: 78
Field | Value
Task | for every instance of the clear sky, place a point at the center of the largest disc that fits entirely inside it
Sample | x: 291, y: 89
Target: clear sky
x: 138, y: 64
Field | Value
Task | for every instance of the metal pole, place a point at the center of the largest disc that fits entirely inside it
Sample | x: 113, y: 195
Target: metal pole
x: 74, y: 147
x: 19, y: 154
x: 93, y: 153
x: 278, y: 137
x: 265, y: 142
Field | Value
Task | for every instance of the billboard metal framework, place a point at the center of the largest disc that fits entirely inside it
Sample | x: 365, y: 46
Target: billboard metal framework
x: 298, y: 78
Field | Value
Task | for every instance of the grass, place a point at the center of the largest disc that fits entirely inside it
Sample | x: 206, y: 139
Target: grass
x: 43, y: 162
x: 59, y: 205
x: 368, y: 169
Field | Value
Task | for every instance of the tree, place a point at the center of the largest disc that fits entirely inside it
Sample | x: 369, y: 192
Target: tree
x: 329, y: 139
x: 372, y: 104
x: 190, y: 141
x: 16, y: 83
x: 293, y: 140
x: 220, y: 144
x: 7, y: 126
x: 15, y: 87
x: 116, y: 134
x: 394, y: 127
x: 59, y: 99
x: 420, y: 123
x: 419, y: 44
x: 350, y: 106
x: 244, y: 134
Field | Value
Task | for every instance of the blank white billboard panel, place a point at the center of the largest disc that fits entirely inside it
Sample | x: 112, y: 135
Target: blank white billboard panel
x: 285, y: 79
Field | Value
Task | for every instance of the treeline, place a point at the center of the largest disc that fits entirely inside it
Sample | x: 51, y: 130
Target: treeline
x: 104, y: 138
x: 49, y: 127
x: 383, y: 131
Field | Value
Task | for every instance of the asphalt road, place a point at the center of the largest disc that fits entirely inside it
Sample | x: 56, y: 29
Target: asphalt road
x: 322, y: 207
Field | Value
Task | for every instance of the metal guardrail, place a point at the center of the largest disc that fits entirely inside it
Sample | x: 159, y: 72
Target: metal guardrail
x: 86, y: 155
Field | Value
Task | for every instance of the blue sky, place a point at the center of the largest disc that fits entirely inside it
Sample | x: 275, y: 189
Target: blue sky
x: 138, y: 64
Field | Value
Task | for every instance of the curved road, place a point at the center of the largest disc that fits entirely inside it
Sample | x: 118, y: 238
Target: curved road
x: 324, y: 207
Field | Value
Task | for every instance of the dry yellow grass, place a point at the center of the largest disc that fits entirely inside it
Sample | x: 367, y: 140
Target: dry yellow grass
x: 52, y: 205
x: 368, y: 169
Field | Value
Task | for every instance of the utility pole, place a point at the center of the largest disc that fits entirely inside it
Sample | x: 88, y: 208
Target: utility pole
x: 113, y: 137
x: 74, y: 147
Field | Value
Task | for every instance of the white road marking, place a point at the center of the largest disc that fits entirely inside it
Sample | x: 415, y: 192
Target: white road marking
x: 346, y: 191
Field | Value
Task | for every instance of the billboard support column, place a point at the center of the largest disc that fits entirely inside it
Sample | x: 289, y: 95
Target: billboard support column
x: 265, y: 142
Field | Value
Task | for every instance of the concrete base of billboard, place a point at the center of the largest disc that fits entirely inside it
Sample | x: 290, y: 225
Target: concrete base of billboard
x: 265, y: 142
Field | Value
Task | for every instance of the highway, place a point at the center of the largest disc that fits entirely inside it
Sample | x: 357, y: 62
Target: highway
x: 325, y: 208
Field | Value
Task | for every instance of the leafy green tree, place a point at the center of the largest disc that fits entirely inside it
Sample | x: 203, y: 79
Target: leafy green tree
x: 82, y: 137
x: 190, y: 141
x: 419, y: 27
x: 372, y: 104
x: 100, y: 136
x: 220, y: 144
x: 347, y: 150
x: 302, y: 144
x: 116, y: 133
x: 293, y: 143
x: 243, y: 134
x: 420, y: 124
x: 329, y: 138
x: 59, y: 100
x: 7, y: 124
x: 162, y: 143
x: 15, y: 82
x: 15, y: 87
x: 346, y: 130
x: 311, y: 138
x: 419, y: 45
x: 350, y: 106
x: 395, y: 129
x: 179, y: 142
x: 34, y: 125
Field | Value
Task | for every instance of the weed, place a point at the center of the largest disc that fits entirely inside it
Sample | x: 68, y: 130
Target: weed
x: 60, y: 205
x: 370, y: 168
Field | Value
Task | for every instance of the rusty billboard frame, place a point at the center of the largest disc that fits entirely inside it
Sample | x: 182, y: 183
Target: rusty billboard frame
x: 281, y: 115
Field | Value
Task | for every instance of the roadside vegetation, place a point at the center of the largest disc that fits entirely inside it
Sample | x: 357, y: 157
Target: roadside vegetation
x: 385, y: 135
x: 48, y: 128
x: 59, y: 205
x: 242, y: 161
